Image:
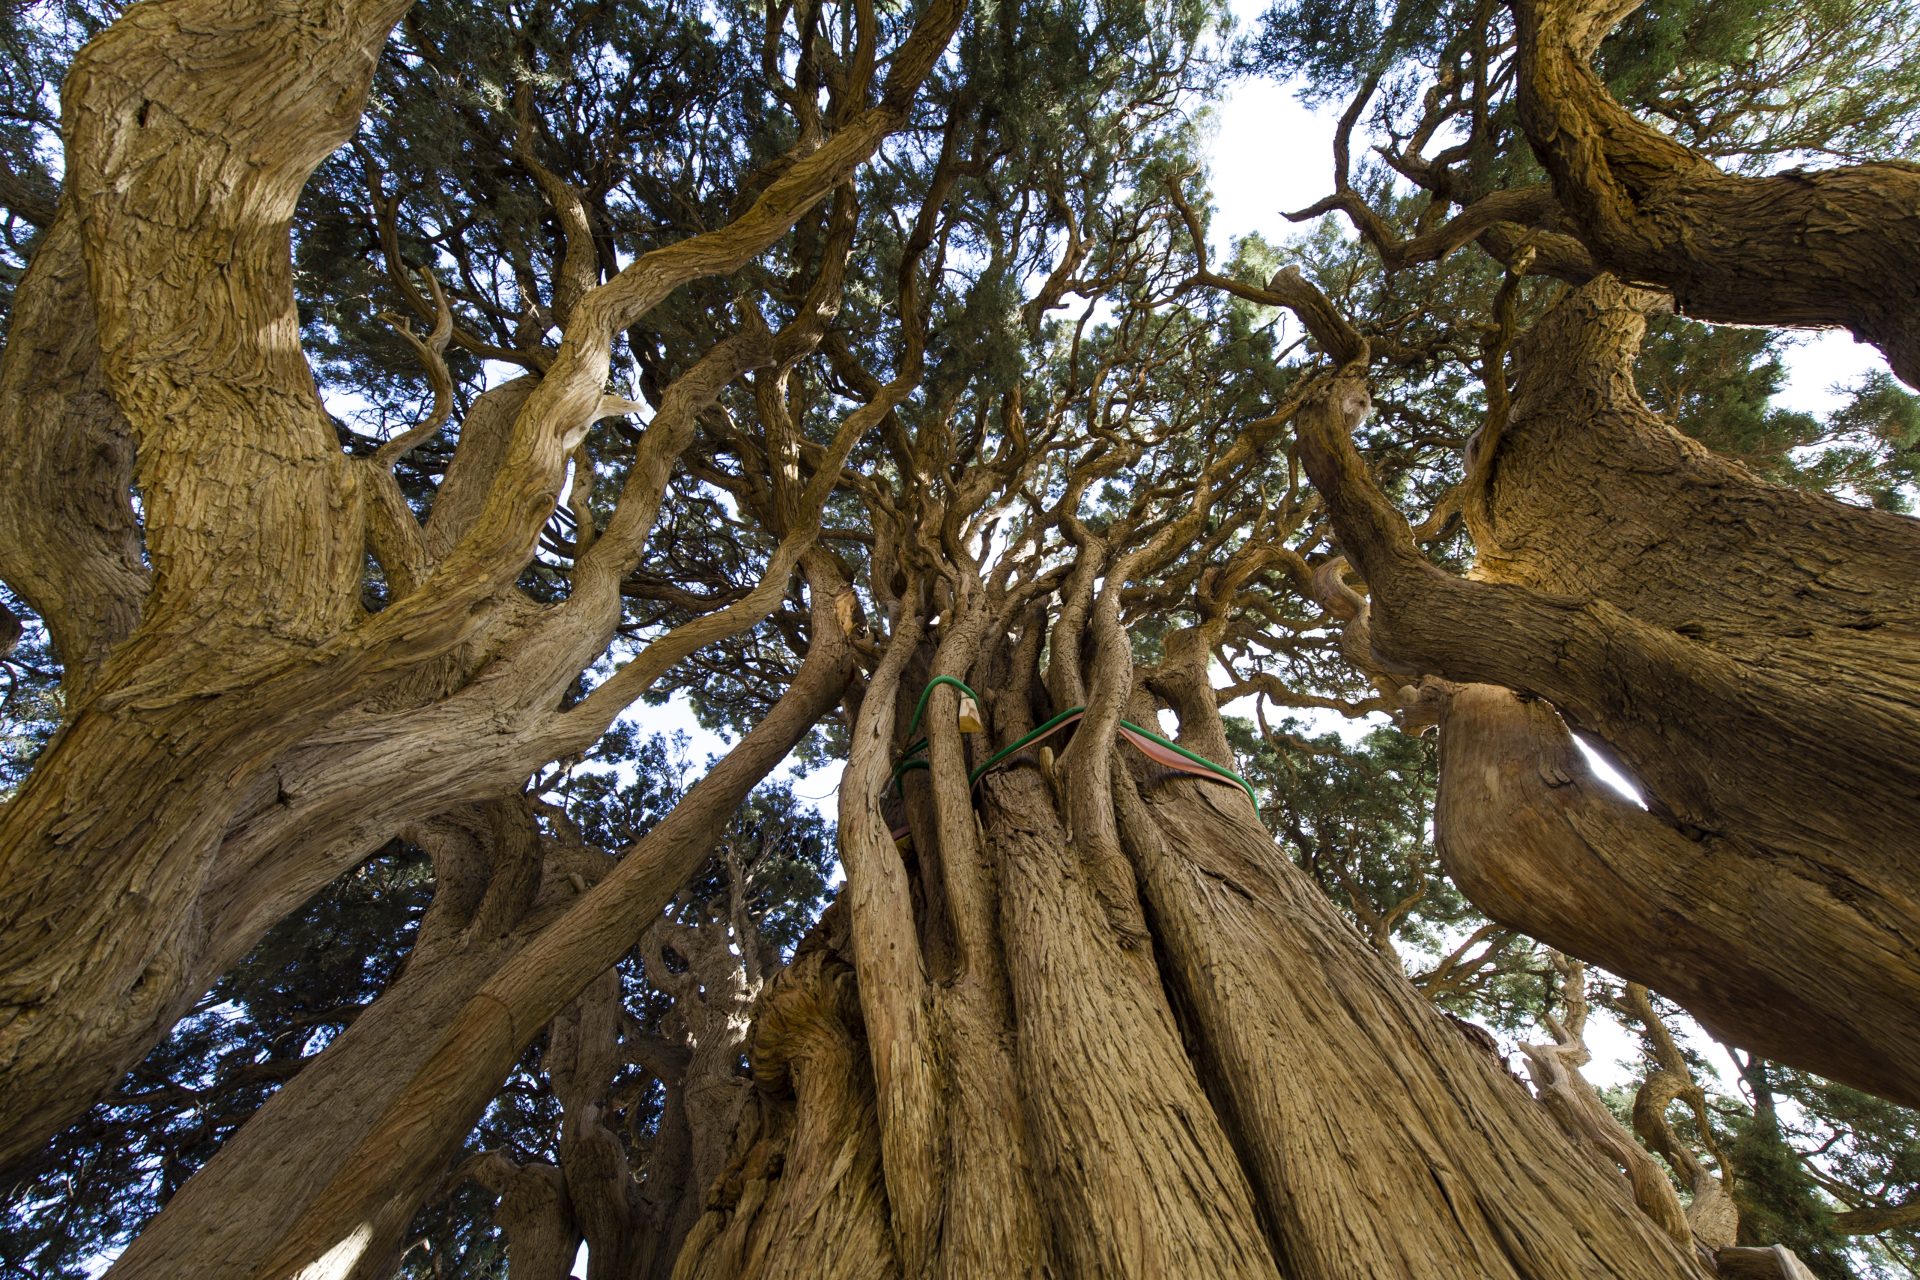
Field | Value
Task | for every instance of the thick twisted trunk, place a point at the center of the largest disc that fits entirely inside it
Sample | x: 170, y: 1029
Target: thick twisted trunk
x: 1207, y: 1075
x: 1751, y: 653
x: 333, y: 1169
x: 159, y: 834
x: 1306, y: 1030
x: 181, y: 181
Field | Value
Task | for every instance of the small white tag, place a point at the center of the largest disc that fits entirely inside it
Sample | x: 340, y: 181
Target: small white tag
x: 970, y: 721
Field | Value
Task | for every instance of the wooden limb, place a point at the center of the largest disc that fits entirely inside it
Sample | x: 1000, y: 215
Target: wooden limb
x: 432, y: 352
x: 1711, y: 1214
x: 439, y: 1103
x: 1817, y: 248
x: 1872, y: 1219
x: 895, y: 995
x: 1541, y: 845
x: 579, y: 267
x: 1775, y: 1262
x: 1577, y: 1108
x: 1503, y: 221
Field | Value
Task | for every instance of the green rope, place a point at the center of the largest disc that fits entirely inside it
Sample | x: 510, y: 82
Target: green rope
x: 909, y: 761
x: 927, y: 692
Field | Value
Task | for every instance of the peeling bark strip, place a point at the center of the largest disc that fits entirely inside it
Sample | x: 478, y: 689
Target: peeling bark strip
x: 1750, y: 652
x: 1808, y: 247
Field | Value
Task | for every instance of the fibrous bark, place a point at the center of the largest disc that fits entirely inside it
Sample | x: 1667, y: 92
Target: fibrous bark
x: 255, y: 734
x: 1750, y: 653
x: 69, y: 540
x: 1308, y: 1032
x: 1816, y: 247
x: 1208, y: 1069
x: 804, y: 1196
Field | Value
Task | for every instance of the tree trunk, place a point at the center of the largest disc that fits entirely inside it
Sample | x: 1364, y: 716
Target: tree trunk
x: 1750, y: 653
x: 181, y: 182
x: 254, y: 735
x: 804, y: 1196
x: 1207, y: 1072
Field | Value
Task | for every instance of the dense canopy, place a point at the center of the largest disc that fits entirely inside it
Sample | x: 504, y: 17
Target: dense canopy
x: 662, y: 640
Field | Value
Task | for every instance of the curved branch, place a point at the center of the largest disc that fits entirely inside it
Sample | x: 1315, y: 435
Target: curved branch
x: 69, y: 539
x: 1819, y: 247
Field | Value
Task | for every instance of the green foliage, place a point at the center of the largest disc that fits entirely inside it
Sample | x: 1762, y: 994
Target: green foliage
x: 94, y: 1186
x: 1758, y: 83
x: 1779, y: 1203
x: 1871, y: 445
x: 1330, y: 46
x: 1853, y: 1149
x: 1716, y: 384
x: 1750, y: 82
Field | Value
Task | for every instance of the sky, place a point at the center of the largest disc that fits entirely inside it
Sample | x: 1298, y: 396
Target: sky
x: 1269, y: 155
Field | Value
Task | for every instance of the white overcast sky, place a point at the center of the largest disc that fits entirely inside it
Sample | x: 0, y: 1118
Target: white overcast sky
x: 1270, y: 155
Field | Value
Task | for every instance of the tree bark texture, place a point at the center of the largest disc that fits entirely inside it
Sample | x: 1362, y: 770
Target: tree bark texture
x: 803, y: 1196
x: 186, y: 154
x: 241, y: 733
x: 1754, y: 947
x: 1749, y: 653
x: 1818, y: 247
x: 69, y: 540
x: 1208, y: 1071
